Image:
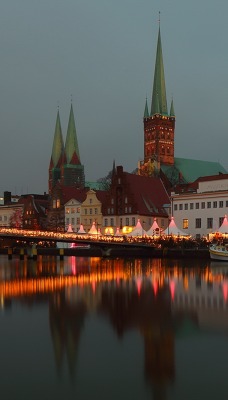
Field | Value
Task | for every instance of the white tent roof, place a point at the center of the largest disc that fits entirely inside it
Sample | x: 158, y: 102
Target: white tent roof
x: 81, y: 229
x: 93, y: 230
x: 118, y: 232
x: 69, y: 230
x: 138, y: 230
x: 174, y: 230
x: 224, y: 227
x: 154, y: 230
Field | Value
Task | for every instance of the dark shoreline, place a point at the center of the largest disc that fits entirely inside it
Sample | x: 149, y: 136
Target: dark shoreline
x: 114, y: 252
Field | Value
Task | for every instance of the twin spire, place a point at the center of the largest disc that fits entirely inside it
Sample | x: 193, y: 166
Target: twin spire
x: 70, y: 153
x: 159, y: 101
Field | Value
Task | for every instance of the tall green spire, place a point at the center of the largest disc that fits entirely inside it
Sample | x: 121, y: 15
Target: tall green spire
x: 146, y: 111
x: 159, y: 101
x: 71, y: 145
x: 172, y: 112
x: 58, y: 145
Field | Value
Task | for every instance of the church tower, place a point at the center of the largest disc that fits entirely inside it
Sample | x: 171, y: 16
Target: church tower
x: 159, y: 124
x: 72, y: 173
x: 56, y: 156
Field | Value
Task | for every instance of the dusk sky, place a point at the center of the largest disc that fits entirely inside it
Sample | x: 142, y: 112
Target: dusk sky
x: 101, y: 54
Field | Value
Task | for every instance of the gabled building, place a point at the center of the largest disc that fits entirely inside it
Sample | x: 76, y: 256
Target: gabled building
x: 60, y: 197
x: 132, y: 197
x: 92, y: 209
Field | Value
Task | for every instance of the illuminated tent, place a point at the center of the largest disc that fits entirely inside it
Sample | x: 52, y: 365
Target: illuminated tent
x: 118, y: 232
x: 174, y: 230
x: 138, y: 230
x: 224, y: 227
x: 93, y: 230
x: 154, y: 230
x: 81, y: 230
x: 69, y: 230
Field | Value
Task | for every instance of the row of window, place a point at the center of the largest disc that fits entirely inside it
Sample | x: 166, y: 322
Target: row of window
x: 72, y: 221
x: 72, y: 210
x: 198, y: 223
x: 127, y: 222
x: 202, y: 205
x: 127, y: 210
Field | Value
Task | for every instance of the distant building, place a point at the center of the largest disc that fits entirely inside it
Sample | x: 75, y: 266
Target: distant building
x: 92, y: 209
x: 132, y: 197
x: 199, y: 207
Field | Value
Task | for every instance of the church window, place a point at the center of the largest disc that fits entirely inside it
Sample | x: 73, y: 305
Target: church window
x: 185, y: 223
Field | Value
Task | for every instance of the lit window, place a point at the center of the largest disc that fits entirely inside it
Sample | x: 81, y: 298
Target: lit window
x: 185, y: 223
x: 58, y: 203
x: 67, y: 211
x: 54, y: 203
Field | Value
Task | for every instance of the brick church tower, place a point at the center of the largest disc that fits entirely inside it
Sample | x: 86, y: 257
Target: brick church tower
x: 159, y: 125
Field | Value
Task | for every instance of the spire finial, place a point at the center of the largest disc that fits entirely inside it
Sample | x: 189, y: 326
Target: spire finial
x: 159, y: 19
x: 71, y: 99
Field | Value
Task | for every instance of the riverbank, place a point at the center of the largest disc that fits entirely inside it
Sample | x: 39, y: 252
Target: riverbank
x: 150, y: 252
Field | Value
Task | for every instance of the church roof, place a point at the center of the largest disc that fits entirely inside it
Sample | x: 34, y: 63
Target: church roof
x: 159, y: 102
x: 58, y: 145
x: 71, y: 146
x: 187, y: 170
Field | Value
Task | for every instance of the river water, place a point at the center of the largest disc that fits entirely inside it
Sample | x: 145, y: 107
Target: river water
x: 93, y: 328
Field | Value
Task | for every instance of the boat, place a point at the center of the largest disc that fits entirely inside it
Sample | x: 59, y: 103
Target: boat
x: 219, y: 252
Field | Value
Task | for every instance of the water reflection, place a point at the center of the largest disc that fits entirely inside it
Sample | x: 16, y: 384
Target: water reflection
x: 160, y: 300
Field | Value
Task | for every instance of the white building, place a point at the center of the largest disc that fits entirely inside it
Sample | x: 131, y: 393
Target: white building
x: 73, y: 214
x: 199, y: 208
